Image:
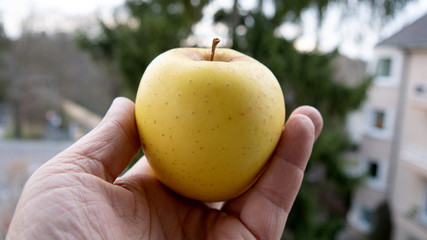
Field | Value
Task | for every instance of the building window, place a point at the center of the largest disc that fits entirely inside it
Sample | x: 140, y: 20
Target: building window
x: 387, y: 67
x: 384, y: 67
x: 425, y: 205
x: 376, y: 173
x: 366, y: 216
x: 423, y: 213
x: 420, y: 89
x: 410, y: 237
x: 379, y: 119
x: 373, y: 169
x: 379, y: 123
x: 361, y: 218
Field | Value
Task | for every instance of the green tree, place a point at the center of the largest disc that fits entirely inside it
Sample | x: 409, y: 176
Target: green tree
x: 4, y: 43
x: 150, y: 28
x: 382, y: 224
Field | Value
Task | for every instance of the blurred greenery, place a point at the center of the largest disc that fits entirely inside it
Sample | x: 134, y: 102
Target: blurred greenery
x: 307, y: 78
x: 37, y: 72
x: 382, y: 225
x: 152, y: 27
x: 3, y: 45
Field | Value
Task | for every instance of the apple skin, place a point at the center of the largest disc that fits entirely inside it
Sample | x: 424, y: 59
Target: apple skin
x: 208, y: 128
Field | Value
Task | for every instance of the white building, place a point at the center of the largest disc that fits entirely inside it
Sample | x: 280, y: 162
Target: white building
x: 393, y: 151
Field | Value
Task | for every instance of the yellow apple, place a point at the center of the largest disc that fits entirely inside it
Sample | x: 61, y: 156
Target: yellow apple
x: 207, y: 127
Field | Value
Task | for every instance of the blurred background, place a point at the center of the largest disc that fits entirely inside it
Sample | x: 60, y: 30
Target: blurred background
x: 362, y: 63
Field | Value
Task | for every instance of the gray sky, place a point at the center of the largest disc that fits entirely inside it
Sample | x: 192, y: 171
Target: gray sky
x: 65, y: 15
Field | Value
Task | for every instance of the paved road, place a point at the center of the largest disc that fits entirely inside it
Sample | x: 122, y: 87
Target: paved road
x: 33, y: 153
x: 18, y: 160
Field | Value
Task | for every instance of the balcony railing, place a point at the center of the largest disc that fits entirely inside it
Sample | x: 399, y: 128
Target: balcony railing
x: 418, y: 98
x: 419, y: 103
x: 415, y: 221
x: 416, y: 159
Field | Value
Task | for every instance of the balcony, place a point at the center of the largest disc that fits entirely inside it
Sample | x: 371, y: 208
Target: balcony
x: 418, y: 97
x: 419, y: 103
x: 415, y: 158
x: 413, y: 221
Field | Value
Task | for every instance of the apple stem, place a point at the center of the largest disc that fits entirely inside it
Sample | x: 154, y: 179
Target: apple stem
x: 215, y: 42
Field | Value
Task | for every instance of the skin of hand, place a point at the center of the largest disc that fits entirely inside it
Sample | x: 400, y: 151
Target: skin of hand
x: 79, y: 194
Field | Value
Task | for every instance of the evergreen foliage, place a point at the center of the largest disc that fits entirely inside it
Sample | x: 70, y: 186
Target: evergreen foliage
x: 4, y: 42
x: 381, y: 222
x: 152, y: 27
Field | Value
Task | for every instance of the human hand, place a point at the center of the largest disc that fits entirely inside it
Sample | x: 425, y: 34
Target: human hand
x: 79, y: 195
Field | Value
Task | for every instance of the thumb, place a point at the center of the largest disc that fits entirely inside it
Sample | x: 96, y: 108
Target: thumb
x: 109, y: 147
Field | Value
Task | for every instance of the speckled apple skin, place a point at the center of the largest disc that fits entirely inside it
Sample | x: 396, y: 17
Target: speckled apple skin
x: 208, y: 128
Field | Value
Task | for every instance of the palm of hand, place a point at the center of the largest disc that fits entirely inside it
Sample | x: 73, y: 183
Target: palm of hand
x: 78, y: 194
x: 136, y: 206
